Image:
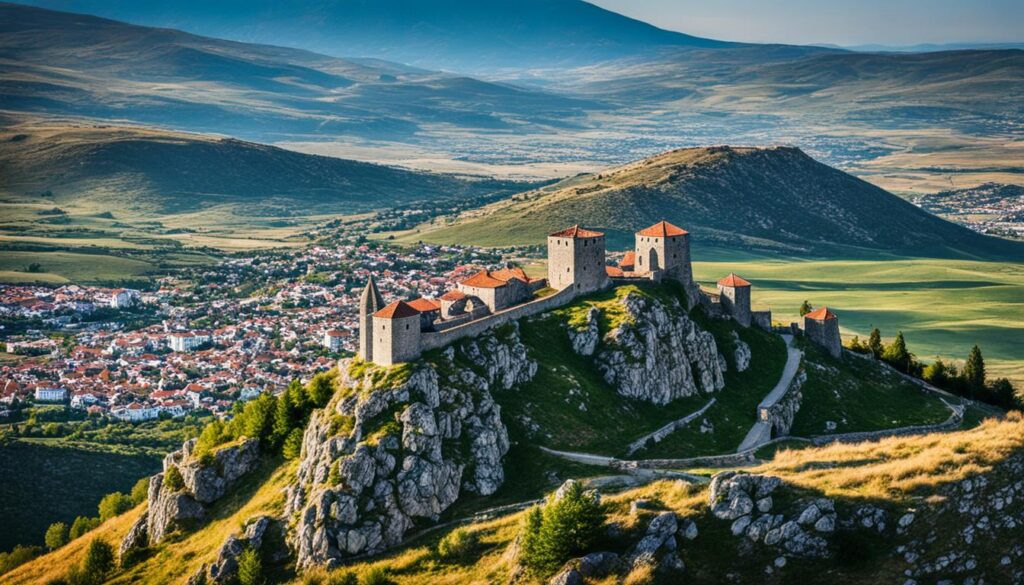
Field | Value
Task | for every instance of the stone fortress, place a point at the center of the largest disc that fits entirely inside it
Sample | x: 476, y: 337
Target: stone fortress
x: 577, y: 265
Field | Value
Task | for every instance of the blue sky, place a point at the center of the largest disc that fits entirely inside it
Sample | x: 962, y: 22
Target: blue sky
x: 844, y: 22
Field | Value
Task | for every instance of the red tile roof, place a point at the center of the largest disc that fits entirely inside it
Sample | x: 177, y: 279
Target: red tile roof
x: 822, y: 314
x: 614, y: 272
x: 628, y: 261
x: 733, y: 281
x: 453, y: 295
x: 507, y: 274
x: 483, y: 279
x: 576, y: 232
x: 425, y: 305
x: 662, y: 229
x: 397, y: 310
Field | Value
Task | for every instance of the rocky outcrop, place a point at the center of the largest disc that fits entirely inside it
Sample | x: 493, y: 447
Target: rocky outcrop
x: 656, y: 353
x: 225, y: 569
x: 135, y: 540
x: 208, y: 481
x: 782, y: 412
x: 584, y: 340
x: 414, y: 446
x: 741, y: 353
x: 204, y: 481
x: 746, y: 501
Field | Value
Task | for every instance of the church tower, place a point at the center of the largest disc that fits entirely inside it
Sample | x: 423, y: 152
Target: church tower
x: 369, y: 303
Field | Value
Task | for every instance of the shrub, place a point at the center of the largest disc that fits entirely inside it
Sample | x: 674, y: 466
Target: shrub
x: 321, y: 388
x: 457, y: 545
x: 56, y: 535
x: 113, y: 505
x: 140, y: 491
x: 342, y: 578
x: 250, y: 568
x: 563, y: 528
x: 81, y: 525
x: 19, y: 555
x: 375, y: 576
x: 173, y: 479
x: 97, y: 565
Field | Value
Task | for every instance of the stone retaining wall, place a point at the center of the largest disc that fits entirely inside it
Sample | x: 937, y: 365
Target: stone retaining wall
x: 953, y: 422
x: 666, y: 430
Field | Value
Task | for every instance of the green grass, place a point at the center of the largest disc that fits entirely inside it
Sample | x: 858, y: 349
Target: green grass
x: 43, y: 484
x: 942, y: 306
x: 860, y: 395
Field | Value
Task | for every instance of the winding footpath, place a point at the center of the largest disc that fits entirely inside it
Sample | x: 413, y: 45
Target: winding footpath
x: 761, y: 432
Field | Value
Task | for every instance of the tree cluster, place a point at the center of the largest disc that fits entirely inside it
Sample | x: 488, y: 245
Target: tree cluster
x: 970, y: 381
x: 562, y: 528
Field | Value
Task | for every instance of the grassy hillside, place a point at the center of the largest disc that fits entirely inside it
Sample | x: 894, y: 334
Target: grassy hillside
x: 160, y: 172
x: 739, y: 198
x: 45, y: 484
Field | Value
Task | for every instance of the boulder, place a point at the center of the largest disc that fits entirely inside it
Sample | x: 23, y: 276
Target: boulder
x: 136, y: 539
x: 598, y: 565
x: 567, y: 576
x: 169, y: 510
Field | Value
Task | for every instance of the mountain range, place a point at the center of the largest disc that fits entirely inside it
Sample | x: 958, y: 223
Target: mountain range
x: 441, y: 34
x: 71, y: 64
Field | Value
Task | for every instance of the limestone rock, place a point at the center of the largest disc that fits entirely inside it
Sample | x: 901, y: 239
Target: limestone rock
x: 584, y: 340
x: 209, y: 482
x: 136, y: 538
x: 225, y: 569
x: 598, y: 565
x: 169, y: 510
x: 415, y: 447
x: 741, y: 354
x: 657, y: 354
x: 567, y: 577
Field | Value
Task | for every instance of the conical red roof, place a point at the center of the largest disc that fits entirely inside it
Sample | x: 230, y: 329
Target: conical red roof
x: 822, y: 314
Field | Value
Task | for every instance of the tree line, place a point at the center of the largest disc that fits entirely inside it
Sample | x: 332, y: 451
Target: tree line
x: 969, y: 381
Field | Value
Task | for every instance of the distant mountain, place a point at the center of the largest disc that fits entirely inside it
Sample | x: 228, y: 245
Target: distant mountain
x: 927, y: 47
x: 163, y: 172
x: 739, y: 198
x: 70, y: 64
x: 463, y: 35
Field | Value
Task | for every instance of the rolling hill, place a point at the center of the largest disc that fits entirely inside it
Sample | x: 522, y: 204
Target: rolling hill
x: 458, y: 35
x: 161, y: 172
x: 739, y: 198
x: 70, y: 64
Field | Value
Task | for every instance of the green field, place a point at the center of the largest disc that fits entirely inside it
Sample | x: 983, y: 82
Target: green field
x: 942, y: 306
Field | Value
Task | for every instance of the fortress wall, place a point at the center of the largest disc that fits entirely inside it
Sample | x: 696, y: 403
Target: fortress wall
x: 433, y: 340
x: 762, y: 319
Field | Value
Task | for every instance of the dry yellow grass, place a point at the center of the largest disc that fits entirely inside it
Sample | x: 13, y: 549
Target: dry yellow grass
x: 900, y: 467
x: 175, y: 561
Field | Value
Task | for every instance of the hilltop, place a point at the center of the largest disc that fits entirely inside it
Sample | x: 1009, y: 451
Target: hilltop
x: 125, y: 168
x: 741, y: 198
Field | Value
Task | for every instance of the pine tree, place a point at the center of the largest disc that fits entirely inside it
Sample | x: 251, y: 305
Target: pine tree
x: 250, y: 568
x: 284, y: 418
x: 320, y: 390
x: 805, y: 308
x: 875, y: 343
x: 937, y: 373
x: 292, y: 444
x: 897, y: 354
x: 1004, y: 395
x: 56, y: 535
x: 974, y: 372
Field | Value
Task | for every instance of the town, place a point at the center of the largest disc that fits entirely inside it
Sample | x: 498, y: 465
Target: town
x: 208, y: 337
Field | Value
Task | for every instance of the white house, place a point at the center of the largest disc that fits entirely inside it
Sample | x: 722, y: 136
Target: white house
x: 332, y: 339
x: 123, y: 297
x: 83, y: 401
x: 51, y: 394
x: 186, y: 341
x: 135, y: 412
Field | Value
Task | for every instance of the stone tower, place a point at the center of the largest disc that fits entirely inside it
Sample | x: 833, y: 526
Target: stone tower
x: 734, y: 293
x: 396, y: 334
x: 663, y: 250
x: 822, y: 327
x: 369, y: 303
x: 576, y: 259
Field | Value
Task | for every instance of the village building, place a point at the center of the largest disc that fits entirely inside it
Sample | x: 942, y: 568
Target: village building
x: 46, y: 394
x: 333, y: 339
x: 122, y: 298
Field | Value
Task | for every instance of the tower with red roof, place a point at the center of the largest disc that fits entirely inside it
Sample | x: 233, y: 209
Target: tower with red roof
x: 369, y: 303
x: 663, y: 251
x: 396, y: 334
x: 576, y: 260
x: 822, y: 327
x: 734, y: 295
